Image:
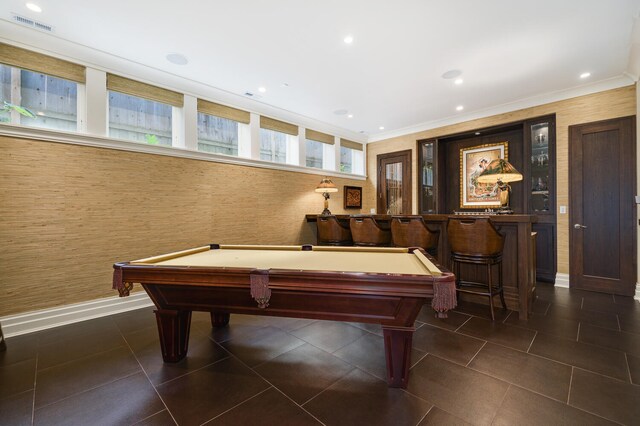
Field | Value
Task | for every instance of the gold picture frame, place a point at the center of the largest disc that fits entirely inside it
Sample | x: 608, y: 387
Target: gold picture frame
x: 473, y: 160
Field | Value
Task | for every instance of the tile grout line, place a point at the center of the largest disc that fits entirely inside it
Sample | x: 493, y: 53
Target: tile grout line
x: 532, y: 340
x: 133, y: 373
x: 237, y: 405
x: 626, y: 358
x: 35, y: 381
x: 570, y: 384
x: 275, y: 387
x: 501, y: 402
x: 148, y: 417
x: 578, y: 333
x: 504, y: 321
x: 148, y: 379
x: 461, y: 325
x: 476, y: 354
x: 425, y: 415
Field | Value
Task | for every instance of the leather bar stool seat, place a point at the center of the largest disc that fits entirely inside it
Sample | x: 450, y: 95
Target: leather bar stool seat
x: 367, y: 232
x: 333, y: 233
x: 476, y: 241
x: 411, y: 231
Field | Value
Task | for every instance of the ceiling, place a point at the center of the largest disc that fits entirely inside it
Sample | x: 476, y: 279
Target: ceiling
x: 390, y: 75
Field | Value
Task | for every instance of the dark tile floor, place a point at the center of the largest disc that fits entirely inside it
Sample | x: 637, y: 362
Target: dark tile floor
x: 576, y: 361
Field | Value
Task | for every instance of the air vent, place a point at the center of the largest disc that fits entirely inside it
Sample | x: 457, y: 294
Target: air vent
x: 31, y: 23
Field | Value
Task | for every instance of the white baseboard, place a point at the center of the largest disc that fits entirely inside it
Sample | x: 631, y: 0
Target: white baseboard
x: 30, y: 322
x: 637, y: 296
x: 562, y: 280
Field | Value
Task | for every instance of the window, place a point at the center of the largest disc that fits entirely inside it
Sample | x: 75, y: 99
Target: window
x: 314, y: 154
x: 273, y: 146
x: 351, y: 157
x: 138, y: 119
x: 38, y: 90
x: 140, y: 112
x: 278, y: 141
x: 320, y: 152
x: 222, y: 129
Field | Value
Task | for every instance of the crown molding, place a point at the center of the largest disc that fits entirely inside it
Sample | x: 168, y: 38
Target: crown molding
x: 561, y: 95
x: 53, y: 45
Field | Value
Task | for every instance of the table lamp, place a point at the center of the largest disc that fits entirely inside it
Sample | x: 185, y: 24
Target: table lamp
x: 501, y: 172
x: 325, y: 187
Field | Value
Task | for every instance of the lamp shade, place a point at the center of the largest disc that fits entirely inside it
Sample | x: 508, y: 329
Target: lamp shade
x: 499, y: 170
x: 326, y: 185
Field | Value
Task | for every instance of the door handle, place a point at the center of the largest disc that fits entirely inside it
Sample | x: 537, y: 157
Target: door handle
x: 578, y: 226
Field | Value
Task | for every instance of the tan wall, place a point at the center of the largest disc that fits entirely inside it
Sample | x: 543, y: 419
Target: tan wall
x: 584, y: 109
x: 69, y: 212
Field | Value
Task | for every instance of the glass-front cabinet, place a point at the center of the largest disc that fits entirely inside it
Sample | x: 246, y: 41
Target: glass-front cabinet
x: 540, y: 168
x: 540, y: 145
x: 427, y: 177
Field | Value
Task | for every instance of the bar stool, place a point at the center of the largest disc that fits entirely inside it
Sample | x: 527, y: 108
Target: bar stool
x: 367, y: 232
x: 333, y: 233
x: 477, y: 241
x: 411, y: 231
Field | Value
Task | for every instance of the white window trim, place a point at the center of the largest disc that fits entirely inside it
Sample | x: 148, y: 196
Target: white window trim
x: 83, y: 139
x: 93, y: 130
x: 328, y: 157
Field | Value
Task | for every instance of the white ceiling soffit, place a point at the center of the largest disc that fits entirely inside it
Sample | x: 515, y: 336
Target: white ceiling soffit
x: 511, y: 53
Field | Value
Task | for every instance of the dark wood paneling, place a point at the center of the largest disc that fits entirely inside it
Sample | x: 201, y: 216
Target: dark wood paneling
x: 518, y: 135
x: 545, y: 251
x: 451, y: 148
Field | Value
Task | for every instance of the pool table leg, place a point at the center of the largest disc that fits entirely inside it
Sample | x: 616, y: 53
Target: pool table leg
x: 219, y: 319
x: 397, y: 349
x: 173, y: 329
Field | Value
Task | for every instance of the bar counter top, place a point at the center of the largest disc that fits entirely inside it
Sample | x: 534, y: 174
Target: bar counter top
x: 518, y: 258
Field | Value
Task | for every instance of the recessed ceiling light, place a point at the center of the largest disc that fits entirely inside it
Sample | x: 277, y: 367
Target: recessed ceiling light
x: 262, y: 89
x: 177, y: 58
x: 34, y: 7
x: 350, y: 116
x: 459, y: 108
x: 458, y: 81
x: 585, y: 75
x: 477, y: 133
x: 451, y: 74
x: 348, y: 39
x: 381, y: 127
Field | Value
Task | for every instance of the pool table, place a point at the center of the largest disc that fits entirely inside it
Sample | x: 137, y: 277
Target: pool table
x: 386, y: 286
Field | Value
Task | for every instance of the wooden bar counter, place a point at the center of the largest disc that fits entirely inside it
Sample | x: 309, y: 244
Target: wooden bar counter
x: 518, y: 260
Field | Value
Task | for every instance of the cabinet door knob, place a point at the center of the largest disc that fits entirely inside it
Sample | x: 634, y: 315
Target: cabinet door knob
x: 578, y: 226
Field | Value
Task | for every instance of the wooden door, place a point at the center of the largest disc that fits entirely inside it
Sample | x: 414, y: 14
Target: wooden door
x: 394, y: 183
x: 602, y: 233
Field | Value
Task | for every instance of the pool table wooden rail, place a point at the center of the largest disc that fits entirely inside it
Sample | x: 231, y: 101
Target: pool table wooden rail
x: 391, y: 300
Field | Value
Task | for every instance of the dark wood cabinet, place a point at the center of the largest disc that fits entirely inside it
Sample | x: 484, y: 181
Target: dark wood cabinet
x: 540, y: 184
x: 531, y: 150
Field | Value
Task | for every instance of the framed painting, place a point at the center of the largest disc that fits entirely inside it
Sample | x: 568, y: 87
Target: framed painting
x: 473, y: 161
x: 352, y: 197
